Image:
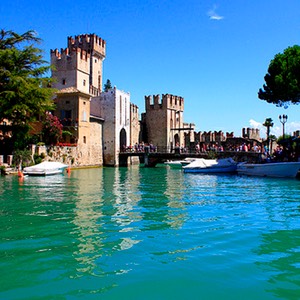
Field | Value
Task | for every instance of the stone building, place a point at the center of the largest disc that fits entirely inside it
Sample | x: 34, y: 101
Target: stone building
x: 120, y: 127
x: 251, y: 133
x: 163, y: 122
x: 100, y: 123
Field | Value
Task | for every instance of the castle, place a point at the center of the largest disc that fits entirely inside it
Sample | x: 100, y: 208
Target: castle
x: 103, y: 123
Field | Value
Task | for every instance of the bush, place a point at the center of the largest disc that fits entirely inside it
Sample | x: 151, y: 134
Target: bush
x: 22, y: 157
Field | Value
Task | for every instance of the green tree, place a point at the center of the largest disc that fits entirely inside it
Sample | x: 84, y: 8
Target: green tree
x: 268, y: 123
x: 24, y: 91
x: 107, y: 85
x: 282, y: 82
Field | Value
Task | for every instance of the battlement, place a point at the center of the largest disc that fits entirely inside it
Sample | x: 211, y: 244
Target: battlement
x: 66, y: 53
x: 167, y: 102
x: 251, y: 133
x: 88, y: 42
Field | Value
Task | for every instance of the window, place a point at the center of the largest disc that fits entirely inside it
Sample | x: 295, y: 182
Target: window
x: 120, y: 110
x: 84, y: 139
x: 66, y: 114
x: 84, y: 82
x: 84, y: 116
x: 64, y: 81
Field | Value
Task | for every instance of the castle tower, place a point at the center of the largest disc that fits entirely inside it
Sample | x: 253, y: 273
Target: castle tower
x: 164, y: 121
x: 80, y: 65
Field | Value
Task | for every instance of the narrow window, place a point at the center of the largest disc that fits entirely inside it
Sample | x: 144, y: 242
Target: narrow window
x: 83, y: 82
x: 120, y: 110
x: 64, y: 81
x: 84, y: 139
x: 84, y: 116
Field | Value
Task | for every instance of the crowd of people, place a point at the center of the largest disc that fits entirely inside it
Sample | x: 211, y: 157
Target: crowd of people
x: 139, y: 147
x: 279, y: 154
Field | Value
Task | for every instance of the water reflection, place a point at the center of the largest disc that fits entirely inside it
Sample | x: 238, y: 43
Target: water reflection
x: 161, y: 204
x: 114, y: 206
x: 105, y: 215
x: 87, y: 218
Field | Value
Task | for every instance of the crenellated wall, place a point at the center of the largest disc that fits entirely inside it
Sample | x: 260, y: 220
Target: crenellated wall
x: 88, y: 42
x: 80, y: 65
x: 251, y: 133
x: 163, y: 120
x: 167, y: 101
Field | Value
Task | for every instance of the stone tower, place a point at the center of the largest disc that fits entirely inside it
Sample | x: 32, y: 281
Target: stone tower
x: 115, y: 108
x: 163, y: 121
x: 78, y: 77
x: 80, y: 65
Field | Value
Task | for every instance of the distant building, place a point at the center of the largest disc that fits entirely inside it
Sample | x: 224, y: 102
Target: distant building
x: 251, y: 133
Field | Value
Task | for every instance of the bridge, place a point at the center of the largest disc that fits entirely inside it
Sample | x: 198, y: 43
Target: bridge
x: 151, y: 159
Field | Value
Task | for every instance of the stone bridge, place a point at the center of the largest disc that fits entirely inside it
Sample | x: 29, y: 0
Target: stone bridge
x: 151, y: 159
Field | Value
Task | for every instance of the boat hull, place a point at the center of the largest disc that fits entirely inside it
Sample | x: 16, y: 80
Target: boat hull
x: 43, y: 172
x: 211, y: 166
x: 280, y: 170
x: 45, y: 169
x: 212, y: 170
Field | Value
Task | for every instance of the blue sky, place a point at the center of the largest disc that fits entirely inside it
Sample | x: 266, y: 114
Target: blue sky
x: 214, y: 54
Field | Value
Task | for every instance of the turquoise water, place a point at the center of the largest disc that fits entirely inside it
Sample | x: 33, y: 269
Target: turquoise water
x: 138, y: 233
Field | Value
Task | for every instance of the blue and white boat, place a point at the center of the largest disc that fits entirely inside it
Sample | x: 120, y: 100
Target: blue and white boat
x: 275, y: 169
x: 201, y: 165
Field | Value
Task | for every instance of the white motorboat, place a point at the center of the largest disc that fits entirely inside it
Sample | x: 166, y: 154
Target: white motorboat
x: 180, y: 163
x: 45, y: 168
x: 275, y: 169
x: 201, y: 165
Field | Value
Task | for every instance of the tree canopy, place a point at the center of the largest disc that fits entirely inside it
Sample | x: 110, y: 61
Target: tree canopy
x: 24, y: 91
x: 282, y: 82
x: 107, y: 85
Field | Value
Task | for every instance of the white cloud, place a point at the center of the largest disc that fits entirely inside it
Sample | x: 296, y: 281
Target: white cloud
x: 213, y: 14
x: 255, y: 124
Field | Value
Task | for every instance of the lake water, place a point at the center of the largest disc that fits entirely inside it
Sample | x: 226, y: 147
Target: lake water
x: 149, y: 233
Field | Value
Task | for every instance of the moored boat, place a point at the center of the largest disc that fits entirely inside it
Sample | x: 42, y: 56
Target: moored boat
x: 180, y: 163
x: 225, y: 165
x: 272, y: 169
x: 45, y: 168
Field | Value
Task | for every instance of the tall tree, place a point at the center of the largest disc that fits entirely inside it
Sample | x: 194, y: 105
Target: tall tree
x: 268, y: 123
x: 283, y: 78
x: 24, y: 91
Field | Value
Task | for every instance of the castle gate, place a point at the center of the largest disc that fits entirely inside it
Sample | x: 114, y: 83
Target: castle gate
x: 123, y: 139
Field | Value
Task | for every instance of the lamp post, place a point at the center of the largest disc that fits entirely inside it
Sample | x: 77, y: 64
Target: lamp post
x: 283, y: 119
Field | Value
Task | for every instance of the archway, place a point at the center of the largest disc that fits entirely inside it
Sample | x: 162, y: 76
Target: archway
x: 176, y: 140
x: 123, y: 139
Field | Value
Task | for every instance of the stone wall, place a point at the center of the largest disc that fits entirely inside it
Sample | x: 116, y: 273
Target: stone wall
x: 76, y: 156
